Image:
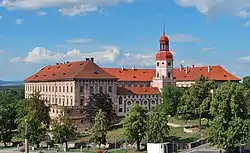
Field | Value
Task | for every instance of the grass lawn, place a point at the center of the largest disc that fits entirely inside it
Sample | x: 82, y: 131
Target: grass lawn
x: 176, y: 120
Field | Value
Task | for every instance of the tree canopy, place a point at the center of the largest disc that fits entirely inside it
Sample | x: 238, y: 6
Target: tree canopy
x: 229, y: 127
x: 171, y: 99
x: 246, y: 81
x: 99, y: 129
x: 196, y: 100
x: 157, y: 126
x: 35, y: 112
x: 135, y: 124
x: 100, y: 101
x: 63, y: 130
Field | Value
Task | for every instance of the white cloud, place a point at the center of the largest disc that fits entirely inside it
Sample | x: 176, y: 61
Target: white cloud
x: 138, y: 59
x: 245, y: 59
x: 1, y: 17
x: 183, y: 38
x: 247, y: 24
x: 108, y: 54
x: 66, y: 7
x: 208, y: 49
x: 79, y: 41
x: 212, y: 7
x: 19, y: 21
x: 244, y: 14
x: 41, y: 13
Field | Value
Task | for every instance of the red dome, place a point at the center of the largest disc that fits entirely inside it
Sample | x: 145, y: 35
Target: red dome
x: 164, y: 38
x: 164, y: 55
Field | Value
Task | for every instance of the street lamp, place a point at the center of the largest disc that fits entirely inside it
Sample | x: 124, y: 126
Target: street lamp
x: 26, y: 137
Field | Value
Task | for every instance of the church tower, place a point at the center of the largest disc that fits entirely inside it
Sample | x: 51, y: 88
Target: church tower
x: 164, y: 65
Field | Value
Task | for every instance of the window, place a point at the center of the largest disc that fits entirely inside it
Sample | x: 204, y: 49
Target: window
x: 169, y: 64
x: 59, y: 89
x: 137, y: 102
x: 110, y: 89
x: 129, y: 103
x: 81, y: 89
x: 162, y: 63
x: 81, y: 102
x: 169, y: 74
x: 67, y: 89
x: 120, y: 109
x: 71, y: 102
x: 120, y: 100
x: 81, y: 121
x: 71, y: 89
x: 157, y: 75
x: 145, y: 102
x: 100, y: 89
x: 157, y: 63
x: 153, y: 102
x: 67, y: 102
x: 63, y: 87
x: 91, y: 89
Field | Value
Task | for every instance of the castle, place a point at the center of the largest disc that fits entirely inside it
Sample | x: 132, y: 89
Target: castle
x: 67, y: 86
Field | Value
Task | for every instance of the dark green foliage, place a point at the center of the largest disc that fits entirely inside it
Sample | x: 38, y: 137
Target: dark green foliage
x: 196, y: 100
x: 229, y: 127
x: 63, y: 130
x: 8, y: 113
x: 246, y: 81
x: 157, y: 126
x: 135, y: 125
x: 103, y: 102
x: 99, y: 129
x: 36, y: 114
x: 171, y: 99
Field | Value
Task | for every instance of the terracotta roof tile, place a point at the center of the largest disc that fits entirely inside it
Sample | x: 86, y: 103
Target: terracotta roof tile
x: 137, y: 91
x: 69, y: 71
x: 216, y: 73
x: 131, y: 74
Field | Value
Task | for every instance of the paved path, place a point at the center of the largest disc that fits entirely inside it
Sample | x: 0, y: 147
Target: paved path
x: 202, y: 149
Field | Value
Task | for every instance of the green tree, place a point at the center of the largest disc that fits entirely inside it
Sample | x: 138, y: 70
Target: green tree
x: 135, y: 125
x: 246, y: 81
x: 8, y: 114
x: 198, y: 98
x: 171, y: 99
x: 63, y: 130
x: 99, y: 129
x: 157, y: 125
x: 229, y: 127
x: 36, y: 113
x: 100, y: 101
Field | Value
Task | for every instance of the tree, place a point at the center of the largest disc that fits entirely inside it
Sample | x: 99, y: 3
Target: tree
x: 8, y: 114
x: 171, y: 99
x: 246, y: 81
x: 197, y: 99
x: 135, y: 124
x: 99, y: 129
x: 157, y: 125
x: 229, y: 127
x: 63, y: 130
x: 100, y: 101
x: 35, y: 112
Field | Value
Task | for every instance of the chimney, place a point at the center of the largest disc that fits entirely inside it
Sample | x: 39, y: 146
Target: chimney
x: 193, y: 66
x: 133, y: 68
x: 87, y: 59
x: 122, y: 68
x: 187, y: 70
x: 92, y: 59
x: 209, y: 68
x: 181, y: 67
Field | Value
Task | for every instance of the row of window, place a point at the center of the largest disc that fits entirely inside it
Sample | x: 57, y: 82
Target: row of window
x: 139, y: 96
x: 49, y: 88
x: 169, y: 63
x: 169, y: 74
x: 91, y: 89
x: 120, y: 110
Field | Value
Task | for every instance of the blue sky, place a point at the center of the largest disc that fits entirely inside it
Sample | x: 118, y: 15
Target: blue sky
x: 34, y: 33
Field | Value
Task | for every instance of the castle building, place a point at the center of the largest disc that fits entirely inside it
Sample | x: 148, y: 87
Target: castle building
x: 67, y: 86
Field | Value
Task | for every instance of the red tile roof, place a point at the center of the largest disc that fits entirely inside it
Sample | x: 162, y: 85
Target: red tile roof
x: 138, y: 91
x: 216, y: 73
x: 131, y: 74
x: 69, y: 71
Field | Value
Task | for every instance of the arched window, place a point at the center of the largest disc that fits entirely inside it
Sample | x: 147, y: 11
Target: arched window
x: 137, y: 102
x: 145, y: 102
x: 169, y: 74
x: 157, y: 75
x: 153, y: 102
x: 129, y: 102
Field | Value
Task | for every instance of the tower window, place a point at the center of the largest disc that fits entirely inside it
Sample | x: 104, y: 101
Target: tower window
x: 157, y: 63
x: 169, y: 74
x: 157, y: 75
x: 169, y: 64
x: 162, y: 63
